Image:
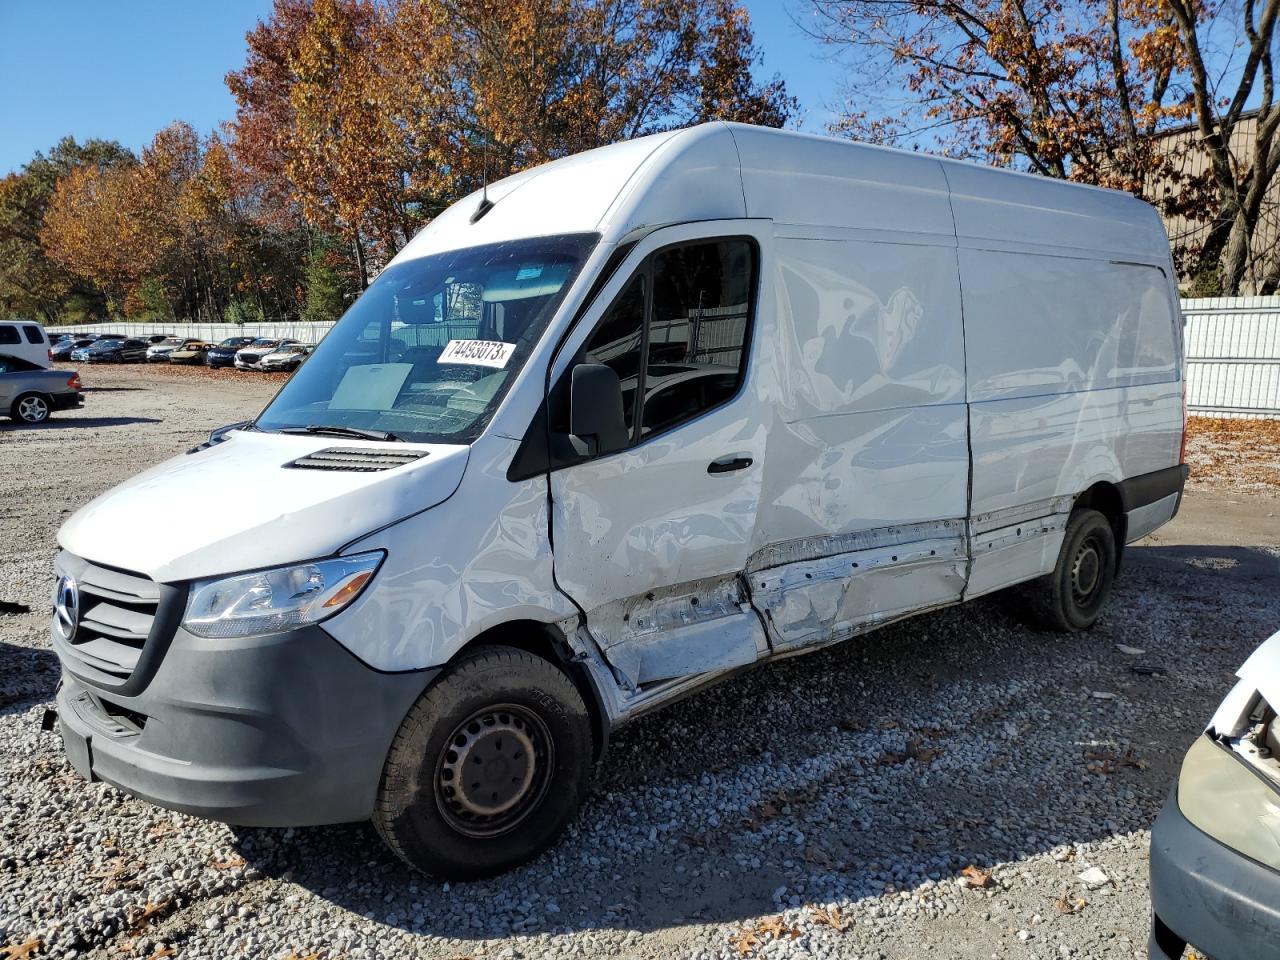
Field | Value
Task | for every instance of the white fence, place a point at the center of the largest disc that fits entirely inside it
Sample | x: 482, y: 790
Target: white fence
x: 299, y: 330
x: 1233, y: 356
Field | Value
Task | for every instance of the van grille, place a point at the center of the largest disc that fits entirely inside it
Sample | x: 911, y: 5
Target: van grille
x: 357, y: 461
x: 117, y: 610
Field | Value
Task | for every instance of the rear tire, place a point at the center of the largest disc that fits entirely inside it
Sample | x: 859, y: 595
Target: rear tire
x: 488, y: 768
x: 1071, y: 598
x: 31, y: 408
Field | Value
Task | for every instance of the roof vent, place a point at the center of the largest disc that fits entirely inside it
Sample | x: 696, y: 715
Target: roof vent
x: 356, y: 461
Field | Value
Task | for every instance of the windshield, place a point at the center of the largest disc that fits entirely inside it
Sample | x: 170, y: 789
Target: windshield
x: 103, y: 345
x: 430, y: 349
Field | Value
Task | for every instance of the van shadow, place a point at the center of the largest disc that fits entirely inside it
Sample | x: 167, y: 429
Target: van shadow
x: 65, y: 422
x: 958, y: 737
x: 28, y: 676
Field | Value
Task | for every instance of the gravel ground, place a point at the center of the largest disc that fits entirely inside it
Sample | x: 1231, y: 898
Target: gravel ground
x: 935, y: 789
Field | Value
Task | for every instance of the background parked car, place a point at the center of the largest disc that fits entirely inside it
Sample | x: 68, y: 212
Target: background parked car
x: 115, y: 351
x: 224, y: 354
x: 247, y: 359
x: 30, y: 393
x: 157, y: 337
x: 158, y: 351
x: 191, y: 351
x: 25, y: 340
x: 81, y: 354
x: 62, y: 349
x: 288, y: 357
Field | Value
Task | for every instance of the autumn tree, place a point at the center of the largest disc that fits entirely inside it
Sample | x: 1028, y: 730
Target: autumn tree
x: 168, y: 235
x: 376, y: 117
x: 1081, y: 90
x: 30, y: 283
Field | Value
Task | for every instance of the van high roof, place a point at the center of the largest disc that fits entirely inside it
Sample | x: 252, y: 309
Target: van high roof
x: 730, y: 170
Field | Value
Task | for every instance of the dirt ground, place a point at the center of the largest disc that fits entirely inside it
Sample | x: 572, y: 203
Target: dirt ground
x: 863, y: 779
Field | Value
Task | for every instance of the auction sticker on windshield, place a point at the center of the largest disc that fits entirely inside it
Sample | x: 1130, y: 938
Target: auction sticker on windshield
x: 480, y: 353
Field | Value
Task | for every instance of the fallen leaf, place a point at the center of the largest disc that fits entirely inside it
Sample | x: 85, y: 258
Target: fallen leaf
x: 744, y: 941
x: 308, y: 956
x: 20, y: 951
x: 977, y: 877
x: 166, y: 951
x: 1067, y: 904
x: 830, y: 917
x: 229, y: 864
x: 776, y: 928
x: 770, y: 928
x: 138, y: 917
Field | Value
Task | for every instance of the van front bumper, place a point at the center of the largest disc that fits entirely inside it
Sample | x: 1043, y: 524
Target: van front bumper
x: 1205, y: 894
x: 288, y: 729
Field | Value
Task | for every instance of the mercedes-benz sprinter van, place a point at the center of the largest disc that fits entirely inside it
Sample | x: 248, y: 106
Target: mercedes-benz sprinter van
x: 619, y: 426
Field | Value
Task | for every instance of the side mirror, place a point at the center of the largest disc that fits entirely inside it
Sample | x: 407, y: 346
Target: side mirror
x: 595, y: 409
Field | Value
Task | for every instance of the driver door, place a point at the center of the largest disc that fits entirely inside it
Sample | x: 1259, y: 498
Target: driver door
x: 649, y: 539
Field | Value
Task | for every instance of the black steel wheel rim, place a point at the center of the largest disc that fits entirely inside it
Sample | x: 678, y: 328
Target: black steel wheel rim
x: 1086, y: 570
x: 494, y: 770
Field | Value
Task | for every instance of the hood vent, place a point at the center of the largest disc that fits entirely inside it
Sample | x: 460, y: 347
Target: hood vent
x: 356, y: 461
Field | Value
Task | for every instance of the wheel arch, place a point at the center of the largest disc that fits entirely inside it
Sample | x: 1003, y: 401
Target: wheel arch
x: 545, y: 640
x: 1105, y: 497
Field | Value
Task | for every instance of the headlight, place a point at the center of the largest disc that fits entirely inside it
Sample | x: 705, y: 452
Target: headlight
x: 270, y: 601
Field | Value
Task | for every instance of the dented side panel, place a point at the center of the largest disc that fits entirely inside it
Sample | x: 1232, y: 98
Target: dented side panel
x: 866, y: 480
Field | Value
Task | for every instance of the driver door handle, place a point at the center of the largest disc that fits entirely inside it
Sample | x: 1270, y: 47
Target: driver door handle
x: 729, y: 464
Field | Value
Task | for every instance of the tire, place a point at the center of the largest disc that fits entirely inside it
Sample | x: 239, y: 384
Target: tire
x: 498, y: 707
x: 1071, y: 598
x: 31, y: 408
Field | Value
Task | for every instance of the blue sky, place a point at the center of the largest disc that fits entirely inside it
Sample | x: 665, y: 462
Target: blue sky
x: 122, y: 70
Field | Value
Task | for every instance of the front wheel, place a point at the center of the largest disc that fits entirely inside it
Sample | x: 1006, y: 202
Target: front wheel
x: 30, y: 408
x: 1071, y: 598
x: 488, y: 768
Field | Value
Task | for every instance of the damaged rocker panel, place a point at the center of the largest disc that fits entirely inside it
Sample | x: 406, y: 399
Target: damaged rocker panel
x: 651, y: 648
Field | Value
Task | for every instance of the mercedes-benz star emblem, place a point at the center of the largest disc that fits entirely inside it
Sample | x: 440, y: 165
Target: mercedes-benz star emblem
x: 66, y: 608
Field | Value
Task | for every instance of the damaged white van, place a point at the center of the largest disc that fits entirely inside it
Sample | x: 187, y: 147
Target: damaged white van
x: 625, y: 423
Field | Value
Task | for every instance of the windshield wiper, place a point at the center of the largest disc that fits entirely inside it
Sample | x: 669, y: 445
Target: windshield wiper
x: 335, y: 431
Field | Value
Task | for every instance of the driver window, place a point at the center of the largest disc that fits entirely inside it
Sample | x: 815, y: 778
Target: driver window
x: 701, y: 295
x: 694, y: 348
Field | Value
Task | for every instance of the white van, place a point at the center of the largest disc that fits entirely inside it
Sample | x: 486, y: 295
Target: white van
x: 628, y: 422
x: 24, y: 340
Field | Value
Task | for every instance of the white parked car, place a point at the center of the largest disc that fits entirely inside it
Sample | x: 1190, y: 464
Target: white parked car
x: 288, y: 357
x: 159, y: 351
x: 559, y: 466
x: 24, y: 340
x: 250, y: 357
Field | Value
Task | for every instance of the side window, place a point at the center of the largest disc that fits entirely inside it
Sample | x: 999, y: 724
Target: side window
x: 9, y: 334
x: 617, y: 341
x: 677, y: 334
x: 698, y: 331
x: 33, y: 333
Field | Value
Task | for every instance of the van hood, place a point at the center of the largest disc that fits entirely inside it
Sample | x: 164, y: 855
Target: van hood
x: 166, y: 523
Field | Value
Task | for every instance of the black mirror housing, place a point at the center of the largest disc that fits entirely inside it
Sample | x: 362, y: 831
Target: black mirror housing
x: 595, y: 408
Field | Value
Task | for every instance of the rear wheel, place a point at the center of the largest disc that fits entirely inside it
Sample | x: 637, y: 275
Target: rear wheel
x: 488, y: 768
x: 1071, y: 598
x: 30, y: 408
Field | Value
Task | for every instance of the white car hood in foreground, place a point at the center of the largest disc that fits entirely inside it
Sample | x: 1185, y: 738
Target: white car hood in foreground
x: 236, y: 506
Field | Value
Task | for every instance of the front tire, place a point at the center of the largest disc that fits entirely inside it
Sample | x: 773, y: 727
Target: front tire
x: 1071, y: 598
x: 30, y: 408
x: 488, y: 768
